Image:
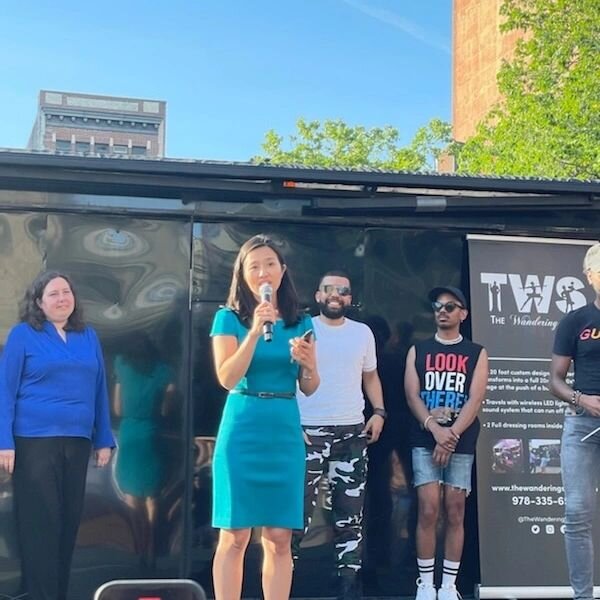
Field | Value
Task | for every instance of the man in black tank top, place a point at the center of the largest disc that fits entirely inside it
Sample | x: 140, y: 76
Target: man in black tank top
x: 445, y: 381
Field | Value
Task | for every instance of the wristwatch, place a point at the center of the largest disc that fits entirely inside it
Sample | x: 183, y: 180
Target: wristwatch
x: 380, y: 412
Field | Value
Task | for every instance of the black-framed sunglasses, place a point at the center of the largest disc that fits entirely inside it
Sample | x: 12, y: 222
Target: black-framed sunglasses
x: 342, y: 290
x: 447, y: 306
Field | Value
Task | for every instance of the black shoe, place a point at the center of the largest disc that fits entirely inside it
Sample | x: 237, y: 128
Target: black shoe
x: 348, y: 585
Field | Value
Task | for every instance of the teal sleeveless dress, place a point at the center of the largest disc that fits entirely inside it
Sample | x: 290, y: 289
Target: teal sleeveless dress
x: 141, y: 467
x: 259, y: 459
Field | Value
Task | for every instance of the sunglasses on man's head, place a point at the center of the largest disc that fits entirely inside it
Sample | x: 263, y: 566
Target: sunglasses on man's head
x: 447, y: 306
x: 342, y: 290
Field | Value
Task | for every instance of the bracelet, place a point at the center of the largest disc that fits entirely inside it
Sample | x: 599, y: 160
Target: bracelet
x: 380, y: 412
x: 427, y: 421
x: 575, y: 398
x: 308, y: 377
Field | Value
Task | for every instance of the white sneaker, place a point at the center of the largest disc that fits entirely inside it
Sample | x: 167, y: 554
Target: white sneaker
x: 448, y: 592
x: 425, y: 591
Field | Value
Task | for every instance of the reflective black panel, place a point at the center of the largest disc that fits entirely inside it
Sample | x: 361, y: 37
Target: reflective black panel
x: 132, y: 276
x: 391, y: 272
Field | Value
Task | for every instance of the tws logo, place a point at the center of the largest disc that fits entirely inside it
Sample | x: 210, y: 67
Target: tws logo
x: 531, y: 296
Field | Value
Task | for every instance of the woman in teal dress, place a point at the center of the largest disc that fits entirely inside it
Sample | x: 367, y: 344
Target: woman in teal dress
x: 142, y: 399
x: 259, y: 460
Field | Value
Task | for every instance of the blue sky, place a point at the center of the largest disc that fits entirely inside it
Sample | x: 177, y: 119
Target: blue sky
x: 232, y: 69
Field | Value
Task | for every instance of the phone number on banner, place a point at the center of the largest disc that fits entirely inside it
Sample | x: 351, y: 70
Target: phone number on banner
x: 538, y: 501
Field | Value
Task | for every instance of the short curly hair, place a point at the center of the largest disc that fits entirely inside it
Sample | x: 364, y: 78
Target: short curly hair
x: 591, y: 262
x: 30, y: 311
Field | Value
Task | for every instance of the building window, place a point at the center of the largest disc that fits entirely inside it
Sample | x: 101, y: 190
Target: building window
x: 82, y: 147
x: 63, y: 146
x: 101, y: 148
x: 138, y: 150
x: 120, y: 149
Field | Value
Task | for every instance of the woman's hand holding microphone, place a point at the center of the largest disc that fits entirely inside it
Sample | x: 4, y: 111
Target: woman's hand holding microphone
x: 263, y: 313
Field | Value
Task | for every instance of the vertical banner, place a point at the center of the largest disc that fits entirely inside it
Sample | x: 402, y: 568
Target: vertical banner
x: 520, y: 289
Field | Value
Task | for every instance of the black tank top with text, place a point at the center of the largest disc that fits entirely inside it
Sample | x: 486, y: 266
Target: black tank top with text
x: 445, y: 374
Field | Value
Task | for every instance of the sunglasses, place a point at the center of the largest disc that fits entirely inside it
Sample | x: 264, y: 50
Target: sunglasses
x: 341, y: 290
x: 447, y: 306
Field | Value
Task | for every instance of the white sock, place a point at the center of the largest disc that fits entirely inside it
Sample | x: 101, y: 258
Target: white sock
x: 450, y: 572
x: 426, y: 569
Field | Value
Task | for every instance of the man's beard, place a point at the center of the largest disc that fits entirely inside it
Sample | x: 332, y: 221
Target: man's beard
x: 333, y: 313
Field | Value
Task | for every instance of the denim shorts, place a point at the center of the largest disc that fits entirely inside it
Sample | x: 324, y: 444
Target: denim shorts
x: 456, y: 474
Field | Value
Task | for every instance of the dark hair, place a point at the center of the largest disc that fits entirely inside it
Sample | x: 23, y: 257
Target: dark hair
x: 140, y: 352
x: 31, y: 313
x: 381, y: 330
x: 242, y: 300
x: 334, y: 273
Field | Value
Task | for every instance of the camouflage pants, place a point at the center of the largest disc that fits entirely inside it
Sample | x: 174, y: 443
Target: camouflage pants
x: 340, y: 453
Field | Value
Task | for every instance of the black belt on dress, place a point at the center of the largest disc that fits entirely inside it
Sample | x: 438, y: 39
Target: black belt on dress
x: 289, y: 395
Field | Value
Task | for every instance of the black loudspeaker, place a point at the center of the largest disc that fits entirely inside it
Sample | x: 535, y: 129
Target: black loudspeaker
x: 150, y: 589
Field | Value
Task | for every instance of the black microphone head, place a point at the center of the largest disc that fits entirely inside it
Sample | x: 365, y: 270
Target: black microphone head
x: 266, y: 292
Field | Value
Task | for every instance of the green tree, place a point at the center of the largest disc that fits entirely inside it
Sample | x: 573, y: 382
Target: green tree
x: 548, y: 121
x: 334, y: 143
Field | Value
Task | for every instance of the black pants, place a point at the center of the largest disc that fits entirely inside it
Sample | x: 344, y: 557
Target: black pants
x: 49, y: 487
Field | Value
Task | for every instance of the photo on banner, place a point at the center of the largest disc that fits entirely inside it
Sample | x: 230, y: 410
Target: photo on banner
x: 520, y: 290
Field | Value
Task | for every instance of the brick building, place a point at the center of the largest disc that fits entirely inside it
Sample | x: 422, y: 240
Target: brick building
x: 98, y: 125
x: 478, y: 50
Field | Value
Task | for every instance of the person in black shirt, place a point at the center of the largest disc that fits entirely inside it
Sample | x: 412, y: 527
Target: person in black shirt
x: 577, y: 341
x: 445, y: 383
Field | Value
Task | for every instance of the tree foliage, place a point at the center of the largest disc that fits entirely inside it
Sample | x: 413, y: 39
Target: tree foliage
x: 334, y: 143
x: 548, y: 121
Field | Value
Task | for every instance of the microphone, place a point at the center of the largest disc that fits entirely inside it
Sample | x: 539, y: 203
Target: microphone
x: 266, y: 295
